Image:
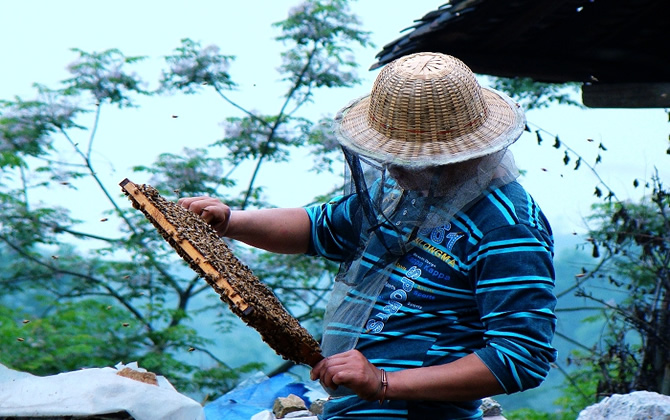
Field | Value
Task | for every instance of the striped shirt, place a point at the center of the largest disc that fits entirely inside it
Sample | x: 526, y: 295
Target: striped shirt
x: 480, y: 283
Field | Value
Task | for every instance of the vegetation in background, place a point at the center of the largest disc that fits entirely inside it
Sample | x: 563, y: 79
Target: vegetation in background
x: 129, y: 297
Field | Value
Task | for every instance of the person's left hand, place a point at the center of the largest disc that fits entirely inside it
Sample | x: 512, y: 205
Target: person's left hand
x: 350, y: 369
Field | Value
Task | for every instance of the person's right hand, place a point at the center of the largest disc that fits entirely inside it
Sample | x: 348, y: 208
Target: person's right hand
x: 212, y: 210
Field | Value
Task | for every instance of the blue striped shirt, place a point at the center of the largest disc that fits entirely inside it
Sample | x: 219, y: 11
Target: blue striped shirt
x: 481, y: 283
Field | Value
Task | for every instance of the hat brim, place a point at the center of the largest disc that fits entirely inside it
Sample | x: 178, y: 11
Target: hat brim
x: 503, y: 125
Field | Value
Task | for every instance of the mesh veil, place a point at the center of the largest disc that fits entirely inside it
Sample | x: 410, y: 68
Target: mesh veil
x: 395, y: 204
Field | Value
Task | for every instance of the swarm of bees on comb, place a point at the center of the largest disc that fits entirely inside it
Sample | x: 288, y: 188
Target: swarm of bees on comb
x: 248, y: 298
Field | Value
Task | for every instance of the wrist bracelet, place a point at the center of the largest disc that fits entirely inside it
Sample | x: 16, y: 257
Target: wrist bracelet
x: 384, y: 385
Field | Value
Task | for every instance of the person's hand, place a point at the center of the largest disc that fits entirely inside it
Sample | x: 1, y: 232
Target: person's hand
x: 211, y: 210
x: 350, y: 369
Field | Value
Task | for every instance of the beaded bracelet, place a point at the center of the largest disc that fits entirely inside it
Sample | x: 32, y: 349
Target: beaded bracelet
x: 385, y: 384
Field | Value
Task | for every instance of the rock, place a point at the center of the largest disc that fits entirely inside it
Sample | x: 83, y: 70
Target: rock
x: 302, y: 414
x: 146, y: 377
x: 491, y: 407
x: 283, y: 406
x: 317, y: 406
x: 639, y: 405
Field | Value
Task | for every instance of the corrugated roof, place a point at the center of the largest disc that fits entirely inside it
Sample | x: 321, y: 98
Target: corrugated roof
x: 608, y: 41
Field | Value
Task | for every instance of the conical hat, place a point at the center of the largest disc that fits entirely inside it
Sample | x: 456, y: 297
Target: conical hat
x: 428, y: 109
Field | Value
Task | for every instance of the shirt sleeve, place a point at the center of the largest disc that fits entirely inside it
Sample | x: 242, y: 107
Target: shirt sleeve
x: 513, y: 275
x: 334, y: 232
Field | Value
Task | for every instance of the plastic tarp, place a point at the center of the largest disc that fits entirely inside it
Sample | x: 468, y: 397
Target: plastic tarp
x: 258, y: 394
x: 90, y: 392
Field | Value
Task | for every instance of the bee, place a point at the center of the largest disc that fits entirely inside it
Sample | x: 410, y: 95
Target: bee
x: 125, y: 324
x: 104, y: 219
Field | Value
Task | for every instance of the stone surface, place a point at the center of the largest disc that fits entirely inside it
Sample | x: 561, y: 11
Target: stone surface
x: 317, y: 406
x: 301, y: 414
x: 146, y: 377
x: 639, y: 405
x: 491, y: 407
x: 285, y: 405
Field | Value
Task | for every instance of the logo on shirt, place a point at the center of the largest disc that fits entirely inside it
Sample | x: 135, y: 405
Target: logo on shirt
x: 398, y: 296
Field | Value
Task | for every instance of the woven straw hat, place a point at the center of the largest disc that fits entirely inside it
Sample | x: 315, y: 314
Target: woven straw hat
x: 428, y: 109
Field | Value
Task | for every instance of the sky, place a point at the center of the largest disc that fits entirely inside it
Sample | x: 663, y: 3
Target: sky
x: 39, y: 34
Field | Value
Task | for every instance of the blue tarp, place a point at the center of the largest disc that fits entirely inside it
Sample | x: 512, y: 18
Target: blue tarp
x: 247, y: 400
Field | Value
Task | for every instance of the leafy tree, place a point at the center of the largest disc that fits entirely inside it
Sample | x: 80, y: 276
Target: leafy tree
x: 536, y: 95
x: 631, y: 242
x: 628, y: 290
x: 75, y: 298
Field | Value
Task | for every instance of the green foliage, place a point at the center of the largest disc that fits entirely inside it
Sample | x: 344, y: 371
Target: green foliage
x: 319, y: 35
x: 193, y: 67
x: 126, y: 296
x: 104, y: 76
x: 630, y: 287
x: 246, y: 138
x: 302, y: 283
x: 26, y: 127
x: 67, y: 336
x: 537, y: 95
x: 632, y: 243
x: 529, y: 414
x: 581, y: 387
x: 323, y: 144
x: 193, y: 172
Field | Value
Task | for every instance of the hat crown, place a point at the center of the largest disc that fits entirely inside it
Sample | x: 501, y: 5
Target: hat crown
x: 426, y: 97
x: 428, y: 109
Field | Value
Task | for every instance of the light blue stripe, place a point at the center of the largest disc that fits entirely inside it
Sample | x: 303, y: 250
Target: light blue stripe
x: 505, y: 334
x: 531, y: 367
x: 533, y: 215
x: 529, y: 279
x: 510, y: 250
x: 450, y: 348
x: 396, y: 362
x: 507, y: 242
x: 513, y: 287
x: 542, y: 314
x: 372, y: 413
x: 497, y: 198
x: 469, y: 227
x: 447, y: 353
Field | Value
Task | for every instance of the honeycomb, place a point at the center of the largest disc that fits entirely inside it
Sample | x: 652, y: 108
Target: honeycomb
x: 210, y: 257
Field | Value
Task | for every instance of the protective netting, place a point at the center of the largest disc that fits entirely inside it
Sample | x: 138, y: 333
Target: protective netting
x: 390, y: 212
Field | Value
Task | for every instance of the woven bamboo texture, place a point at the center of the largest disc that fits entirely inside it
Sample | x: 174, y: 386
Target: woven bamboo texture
x: 428, y: 109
